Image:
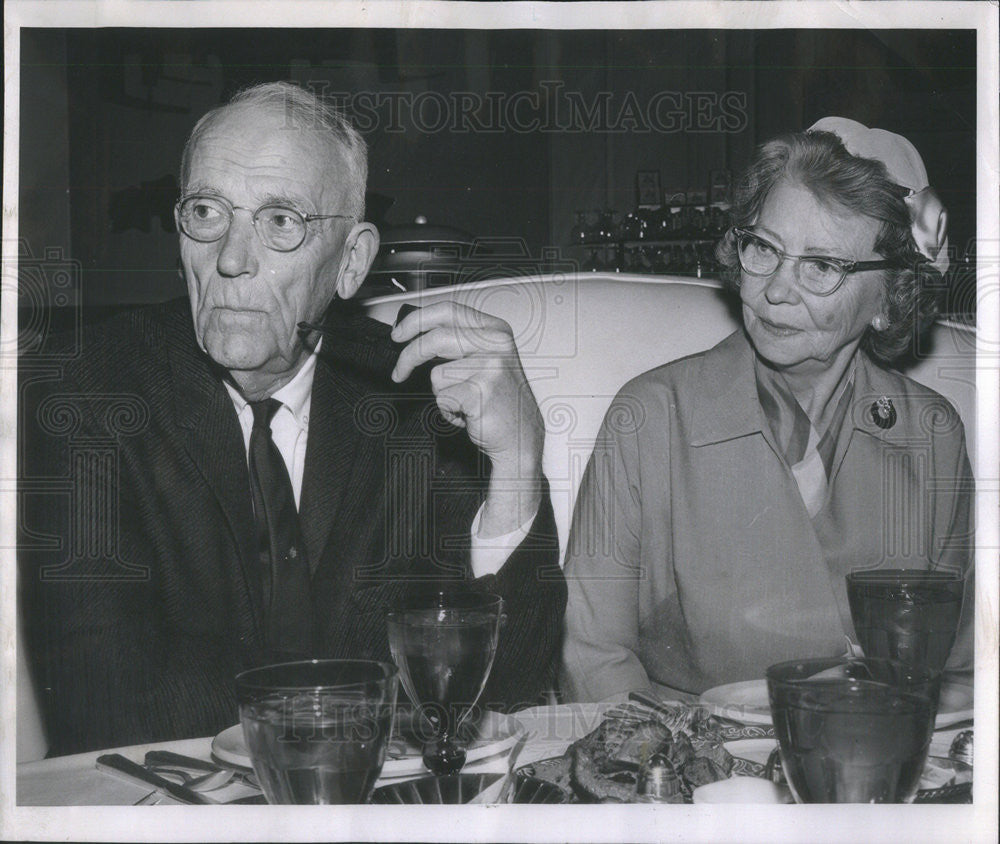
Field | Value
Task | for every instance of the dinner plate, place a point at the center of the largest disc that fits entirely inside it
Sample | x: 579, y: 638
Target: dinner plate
x: 493, y: 733
x: 753, y: 750
x: 747, y: 703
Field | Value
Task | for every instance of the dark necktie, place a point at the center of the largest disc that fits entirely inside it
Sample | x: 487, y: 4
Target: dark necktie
x: 287, y: 604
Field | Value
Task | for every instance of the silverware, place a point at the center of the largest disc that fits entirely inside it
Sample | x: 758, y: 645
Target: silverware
x: 196, y: 782
x: 728, y: 731
x: 515, y: 751
x: 169, y: 759
x: 125, y: 769
x: 118, y: 765
x: 655, y: 703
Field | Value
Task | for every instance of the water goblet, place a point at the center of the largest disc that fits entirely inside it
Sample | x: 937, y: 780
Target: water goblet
x: 317, y: 729
x: 444, y: 645
x: 853, y: 729
x: 906, y: 614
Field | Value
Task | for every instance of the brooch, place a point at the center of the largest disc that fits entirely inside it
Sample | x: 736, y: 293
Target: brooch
x: 883, y: 413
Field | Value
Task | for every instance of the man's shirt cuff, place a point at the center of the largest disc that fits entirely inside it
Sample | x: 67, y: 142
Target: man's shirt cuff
x: 488, y: 555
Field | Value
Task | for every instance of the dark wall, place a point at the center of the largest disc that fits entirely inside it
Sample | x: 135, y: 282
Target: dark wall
x: 474, y: 129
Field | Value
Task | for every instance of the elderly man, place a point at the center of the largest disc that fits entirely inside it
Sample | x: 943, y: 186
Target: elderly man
x: 279, y: 471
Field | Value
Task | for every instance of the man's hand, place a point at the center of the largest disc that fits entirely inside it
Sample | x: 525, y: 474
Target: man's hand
x: 481, y: 387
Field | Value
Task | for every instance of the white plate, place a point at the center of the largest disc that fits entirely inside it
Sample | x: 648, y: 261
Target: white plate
x: 955, y: 705
x: 753, y: 749
x: 495, y: 733
x: 746, y: 703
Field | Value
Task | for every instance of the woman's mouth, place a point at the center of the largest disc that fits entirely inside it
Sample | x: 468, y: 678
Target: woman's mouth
x: 776, y: 329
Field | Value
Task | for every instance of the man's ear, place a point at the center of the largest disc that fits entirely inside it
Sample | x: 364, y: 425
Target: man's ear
x: 360, y: 249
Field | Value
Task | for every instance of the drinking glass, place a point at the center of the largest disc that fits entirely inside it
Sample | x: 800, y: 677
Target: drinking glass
x: 853, y: 729
x: 444, y: 646
x: 906, y: 614
x: 317, y: 729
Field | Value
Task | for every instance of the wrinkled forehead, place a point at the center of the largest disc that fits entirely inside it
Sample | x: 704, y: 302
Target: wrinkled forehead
x: 260, y: 150
x: 827, y: 203
x: 819, y: 217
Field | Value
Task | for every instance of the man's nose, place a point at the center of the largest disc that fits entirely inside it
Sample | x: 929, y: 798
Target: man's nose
x: 782, y: 285
x: 237, y: 256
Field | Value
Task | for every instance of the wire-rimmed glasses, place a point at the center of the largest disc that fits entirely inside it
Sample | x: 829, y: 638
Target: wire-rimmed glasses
x: 821, y: 275
x: 207, y: 218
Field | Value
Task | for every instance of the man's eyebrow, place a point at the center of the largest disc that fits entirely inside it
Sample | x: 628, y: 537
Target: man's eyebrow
x: 201, y: 188
x: 286, y: 200
x: 283, y: 199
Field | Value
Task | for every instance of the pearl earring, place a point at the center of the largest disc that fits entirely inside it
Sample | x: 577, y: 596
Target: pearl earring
x: 879, y: 322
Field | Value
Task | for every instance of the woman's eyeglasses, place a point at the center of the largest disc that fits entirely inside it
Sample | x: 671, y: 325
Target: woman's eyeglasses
x: 819, y: 274
x: 207, y: 219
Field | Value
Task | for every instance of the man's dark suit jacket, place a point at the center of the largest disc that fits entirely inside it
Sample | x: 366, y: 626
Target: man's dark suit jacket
x: 139, y: 572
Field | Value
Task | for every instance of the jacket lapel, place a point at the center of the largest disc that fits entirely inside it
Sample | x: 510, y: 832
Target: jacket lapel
x: 726, y: 404
x: 728, y: 407
x: 210, y: 432
x: 334, y: 452
x: 874, y: 383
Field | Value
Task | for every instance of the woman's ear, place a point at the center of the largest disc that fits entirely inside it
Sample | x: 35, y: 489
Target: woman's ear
x: 360, y: 249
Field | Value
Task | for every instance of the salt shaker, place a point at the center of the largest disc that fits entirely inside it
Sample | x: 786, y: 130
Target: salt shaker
x: 961, y: 747
x: 657, y: 781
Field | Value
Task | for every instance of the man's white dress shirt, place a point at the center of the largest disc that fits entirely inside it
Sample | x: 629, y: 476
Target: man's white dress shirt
x: 290, y: 432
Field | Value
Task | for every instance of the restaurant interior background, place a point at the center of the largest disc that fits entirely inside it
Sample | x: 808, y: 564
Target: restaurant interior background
x: 531, y: 142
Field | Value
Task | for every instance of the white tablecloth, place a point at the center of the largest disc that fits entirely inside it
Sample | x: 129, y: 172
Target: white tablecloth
x: 75, y: 781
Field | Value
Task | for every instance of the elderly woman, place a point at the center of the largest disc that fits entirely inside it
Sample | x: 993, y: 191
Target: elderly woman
x: 730, y: 492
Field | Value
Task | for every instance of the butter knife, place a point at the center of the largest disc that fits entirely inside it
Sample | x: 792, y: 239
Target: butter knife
x: 126, y: 769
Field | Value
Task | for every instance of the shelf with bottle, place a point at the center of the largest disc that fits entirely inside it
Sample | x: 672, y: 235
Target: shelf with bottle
x: 674, y: 240
x: 688, y: 257
x: 654, y: 226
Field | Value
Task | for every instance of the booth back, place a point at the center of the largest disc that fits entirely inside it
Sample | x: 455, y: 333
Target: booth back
x: 582, y: 336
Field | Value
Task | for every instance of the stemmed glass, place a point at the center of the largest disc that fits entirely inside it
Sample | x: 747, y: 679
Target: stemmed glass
x: 444, y: 645
x: 907, y: 614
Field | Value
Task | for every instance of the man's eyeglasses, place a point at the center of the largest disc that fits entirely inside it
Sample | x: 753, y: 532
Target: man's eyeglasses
x: 818, y: 274
x: 207, y: 218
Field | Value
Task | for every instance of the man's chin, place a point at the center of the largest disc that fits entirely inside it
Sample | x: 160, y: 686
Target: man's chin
x: 237, y: 353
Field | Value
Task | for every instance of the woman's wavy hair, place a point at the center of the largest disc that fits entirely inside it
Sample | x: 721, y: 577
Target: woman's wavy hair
x: 819, y: 162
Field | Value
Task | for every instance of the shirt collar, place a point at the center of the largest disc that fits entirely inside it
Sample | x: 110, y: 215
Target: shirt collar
x: 727, y: 406
x: 295, y: 395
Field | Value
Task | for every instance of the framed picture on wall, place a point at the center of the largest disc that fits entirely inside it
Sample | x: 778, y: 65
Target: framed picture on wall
x: 674, y: 197
x: 647, y: 188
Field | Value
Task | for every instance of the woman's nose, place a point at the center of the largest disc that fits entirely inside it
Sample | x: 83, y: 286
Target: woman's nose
x: 237, y: 255
x: 782, y: 285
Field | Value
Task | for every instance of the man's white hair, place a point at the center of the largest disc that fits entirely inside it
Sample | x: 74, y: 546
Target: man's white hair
x: 302, y: 110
